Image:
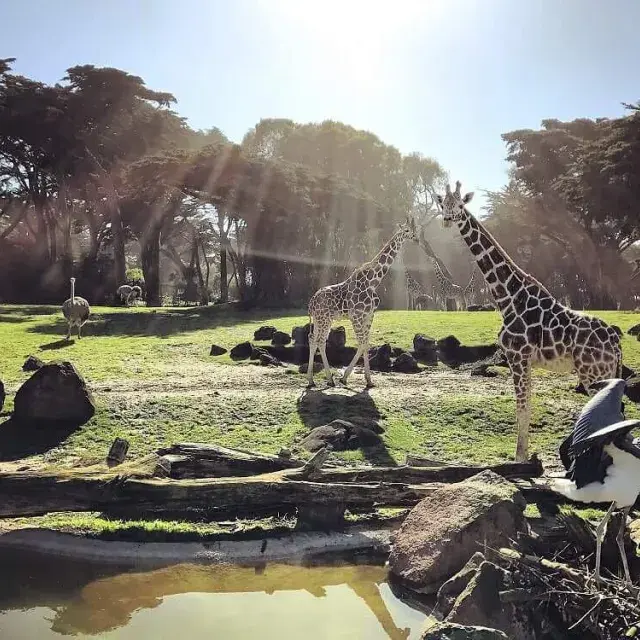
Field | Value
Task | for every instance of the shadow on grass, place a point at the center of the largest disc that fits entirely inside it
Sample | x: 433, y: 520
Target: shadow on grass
x: 57, y: 344
x: 163, y: 323
x: 317, y: 408
x: 19, y: 441
x: 20, y: 311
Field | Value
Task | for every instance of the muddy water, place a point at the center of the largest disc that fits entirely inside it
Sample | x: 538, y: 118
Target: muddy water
x: 43, y: 598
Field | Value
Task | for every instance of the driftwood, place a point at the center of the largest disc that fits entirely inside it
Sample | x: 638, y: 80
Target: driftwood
x: 24, y: 494
x: 193, y: 460
x: 419, y: 475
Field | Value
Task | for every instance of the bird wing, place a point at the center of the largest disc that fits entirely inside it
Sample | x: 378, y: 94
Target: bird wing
x: 602, y: 410
x: 611, y: 432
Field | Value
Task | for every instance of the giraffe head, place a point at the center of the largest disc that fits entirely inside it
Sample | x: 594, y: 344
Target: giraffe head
x: 452, y: 204
x: 409, y: 229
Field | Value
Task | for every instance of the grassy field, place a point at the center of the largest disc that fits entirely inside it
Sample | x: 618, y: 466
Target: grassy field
x: 154, y: 383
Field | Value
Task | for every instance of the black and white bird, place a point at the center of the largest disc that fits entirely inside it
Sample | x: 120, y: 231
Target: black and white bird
x: 602, y: 460
x: 76, y: 310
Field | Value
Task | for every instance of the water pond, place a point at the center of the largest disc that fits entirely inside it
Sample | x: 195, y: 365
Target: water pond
x: 43, y: 597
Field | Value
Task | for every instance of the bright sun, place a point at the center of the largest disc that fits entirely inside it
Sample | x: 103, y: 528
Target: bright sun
x: 353, y: 38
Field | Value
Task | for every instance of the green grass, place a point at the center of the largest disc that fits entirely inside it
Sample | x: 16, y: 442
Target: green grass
x: 154, y: 383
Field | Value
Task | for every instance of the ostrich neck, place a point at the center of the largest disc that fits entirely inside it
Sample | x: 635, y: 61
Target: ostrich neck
x: 73, y: 291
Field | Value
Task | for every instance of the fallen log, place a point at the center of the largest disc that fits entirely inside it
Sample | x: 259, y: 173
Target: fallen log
x: 25, y: 494
x: 194, y: 460
x: 419, y: 475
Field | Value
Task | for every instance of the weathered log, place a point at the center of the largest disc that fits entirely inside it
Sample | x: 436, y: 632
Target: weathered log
x: 418, y: 475
x: 194, y: 460
x: 24, y: 494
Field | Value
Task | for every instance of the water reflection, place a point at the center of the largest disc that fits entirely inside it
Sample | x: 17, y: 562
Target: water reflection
x: 43, y: 598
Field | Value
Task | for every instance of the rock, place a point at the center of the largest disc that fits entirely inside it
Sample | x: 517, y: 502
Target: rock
x: 267, y: 360
x: 256, y: 352
x: 479, y: 604
x: 396, y: 351
x: 54, y: 393
x: 284, y: 453
x: 3, y: 395
x: 337, y: 338
x: 635, y: 330
x: 380, y: 358
x: 451, y: 631
x: 633, y: 391
x: 264, y: 333
x: 241, y: 351
x: 488, y: 307
x: 453, y: 354
x: 406, y: 363
x: 443, y: 531
x: 280, y: 339
x: 300, y: 335
x: 423, y: 344
x: 483, y: 370
x: 474, y: 307
x: 456, y: 584
x: 32, y: 363
x: 341, y: 435
x: 617, y: 329
x: 217, y: 350
x: 317, y: 367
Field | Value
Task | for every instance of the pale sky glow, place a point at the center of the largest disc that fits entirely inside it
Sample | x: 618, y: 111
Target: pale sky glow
x: 442, y: 77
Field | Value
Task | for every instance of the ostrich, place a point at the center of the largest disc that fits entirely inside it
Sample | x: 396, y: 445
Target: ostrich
x: 602, y: 461
x: 76, y: 310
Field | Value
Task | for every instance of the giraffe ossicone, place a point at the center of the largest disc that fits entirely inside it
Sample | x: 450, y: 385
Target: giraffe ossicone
x: 356, y: 299
x: 537, y: 330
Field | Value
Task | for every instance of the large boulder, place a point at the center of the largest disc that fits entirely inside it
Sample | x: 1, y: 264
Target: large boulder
x: 241, y: 351
x: 406, y: 363
x: 280, y: 339
x: 267, y: 360
x: 55, y: 393
x: 337, y: 338
x: 452, y: 631
x: 342, y: 435
x: 635, y: 330
x: 443, y: 531
x: 264, y: 333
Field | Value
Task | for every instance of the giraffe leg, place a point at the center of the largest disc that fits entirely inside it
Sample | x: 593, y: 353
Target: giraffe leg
x: 319, y: 335
x: 620, y: 542
x: 361, y: 327
x: 68, y: 332
x: 325, y: 362
x: 521, y: 372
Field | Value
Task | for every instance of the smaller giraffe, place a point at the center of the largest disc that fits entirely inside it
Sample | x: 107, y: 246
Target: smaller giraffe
x: 418, y: 297
x: 355, y: 298
x: 475, y: 292
x: 446, y: 287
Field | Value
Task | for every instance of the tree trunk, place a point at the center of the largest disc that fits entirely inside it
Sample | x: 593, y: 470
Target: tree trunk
x: 150, y: 258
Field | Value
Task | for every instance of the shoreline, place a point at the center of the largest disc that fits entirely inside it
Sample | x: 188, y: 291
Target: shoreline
x: 296, y: 546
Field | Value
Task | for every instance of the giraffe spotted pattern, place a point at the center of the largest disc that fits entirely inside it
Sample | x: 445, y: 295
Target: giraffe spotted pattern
x: 537, y: 330
x: 356, y: 299
x: 418, y: 297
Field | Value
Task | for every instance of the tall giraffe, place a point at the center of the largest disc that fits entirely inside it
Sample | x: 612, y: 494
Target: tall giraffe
x: 537, y: 330
x: 446, y: 287
x: 355, y: 298
x: 417, y: 295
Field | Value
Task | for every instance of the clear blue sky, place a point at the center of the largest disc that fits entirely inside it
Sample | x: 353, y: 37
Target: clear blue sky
x: 442, y: 77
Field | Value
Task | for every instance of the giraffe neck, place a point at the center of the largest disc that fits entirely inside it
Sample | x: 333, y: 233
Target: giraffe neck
x: 504, y: 278
x: 380, y: 265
